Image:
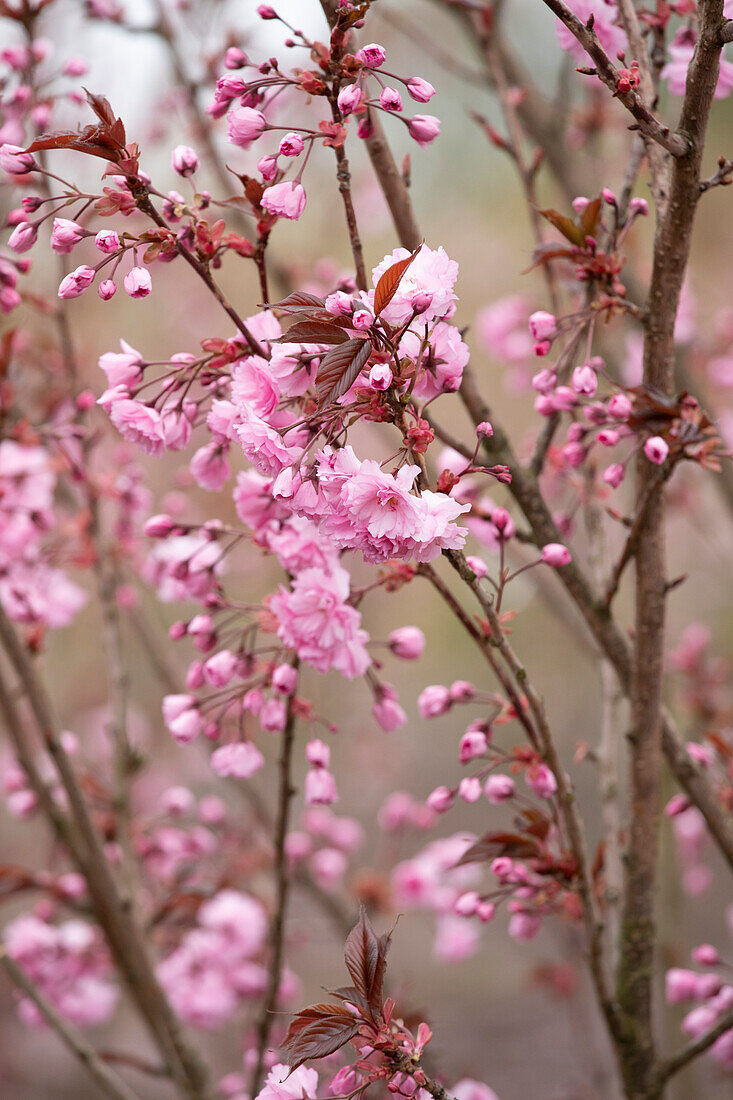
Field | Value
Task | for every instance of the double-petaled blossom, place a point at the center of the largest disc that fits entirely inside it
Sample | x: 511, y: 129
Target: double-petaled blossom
x: 424, y: 129
x: 76, y: 282
x: 244, y: 125
x: 285, y: 200
x: 184, y: 160
x: 316, y: 621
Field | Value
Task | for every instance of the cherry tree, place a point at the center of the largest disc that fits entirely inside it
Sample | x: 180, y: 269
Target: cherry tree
x: 318, y: 418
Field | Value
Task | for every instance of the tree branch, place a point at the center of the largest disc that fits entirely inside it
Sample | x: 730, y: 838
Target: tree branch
x: 109, y: 1082
x: 676, y: 144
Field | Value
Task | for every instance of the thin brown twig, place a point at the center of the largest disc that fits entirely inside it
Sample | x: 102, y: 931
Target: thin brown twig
x: 108, y: 1082
x: 286, y: 791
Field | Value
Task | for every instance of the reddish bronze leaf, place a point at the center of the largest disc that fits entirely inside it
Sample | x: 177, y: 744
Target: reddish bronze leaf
x: 570, y: 231
x: 339, y: 369
x: 318, y: 1031
x: 313, y: 332
x: 366, y: 961
x: 389, y: 282
x: 499, y: 844
x: 590, y: 218
x: 296, y: 301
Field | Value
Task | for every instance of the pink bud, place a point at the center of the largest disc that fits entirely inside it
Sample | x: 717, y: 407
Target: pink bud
x: 235, y: 58
x: 619, y: 407
x: 433, y: 701
x: 420, y: 90
x: 470, y: 788
x: 484, y: 430
x: 478, y: 565
x: 349, y: 98
x: 244, y: 125
x: 107, y: 241
x: 107, y: 289
x: 499, y: 788
x: 656, y: 450
x: 614, y: 474
x: 555, y: 554
x: 291, y: 145
x: 137, y: 282
x: 440, y: 800
x: 372, y: 56
x: 285, y: 679
x: 286, y: 200
x: 585, y: 380
x: 77, y: 282
x: 424, y: 129
x: 318, y: 754
x: 390, y: 99
x: 23, y: 237
x: 706, y: 955
x: 407, y: 642
x: 15, y: 161
x: 542, y: 325
x: 185, y: 160
x: 267, y: 167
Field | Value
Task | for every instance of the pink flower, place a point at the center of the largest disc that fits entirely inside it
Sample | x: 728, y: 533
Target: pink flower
x: 291, y: 145
x: 388, y: 713
x: 380, y: 377
x: 244, y: 125
x: 468, y: 1089
x: 541, y: 780
x: 499, y: 788
x: 210, y: 467
x: 474, y: 743
x: 238, y: 760
x: 139, y: 424
x: 106, y: 289
x: 15, y: 161
x: 614, y: 474
x: 137, y: 282
x: 65, y: 235
x: 372, y: 56
x: 77, y: 282
x: 262, y: 445
x: 285, y: 679
x: 585, y: 380
x: 281, y: 1084
x: 555, y: 554
x: 656, y: 450
x: 407, y: 642
x: 316, y: 621
x: 431, y: 272
x: 184, y: 160
x: 433, y: 701
x: 320, y: 788
x: 542, y: 325
x: 424, y: 129
x: 122, y: 369
x: 349, y: 98
x: 285, y: 200
x: 267, y: 167
x: 680, y: 985
x: 107, y: 241
x: 23, y: 237
x: 420, y: 90
x: 390, y: 99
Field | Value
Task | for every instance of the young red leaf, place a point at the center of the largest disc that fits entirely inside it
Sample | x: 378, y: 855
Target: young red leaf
x: 313, y: 332
x: 499, y: 844
x: 566, y: 226
x: 362, y: 955
x: 318, y: 1031
x: 389, y: 282
x: 590, y: 218
x: 339, y: 369
x: 296, y: 301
